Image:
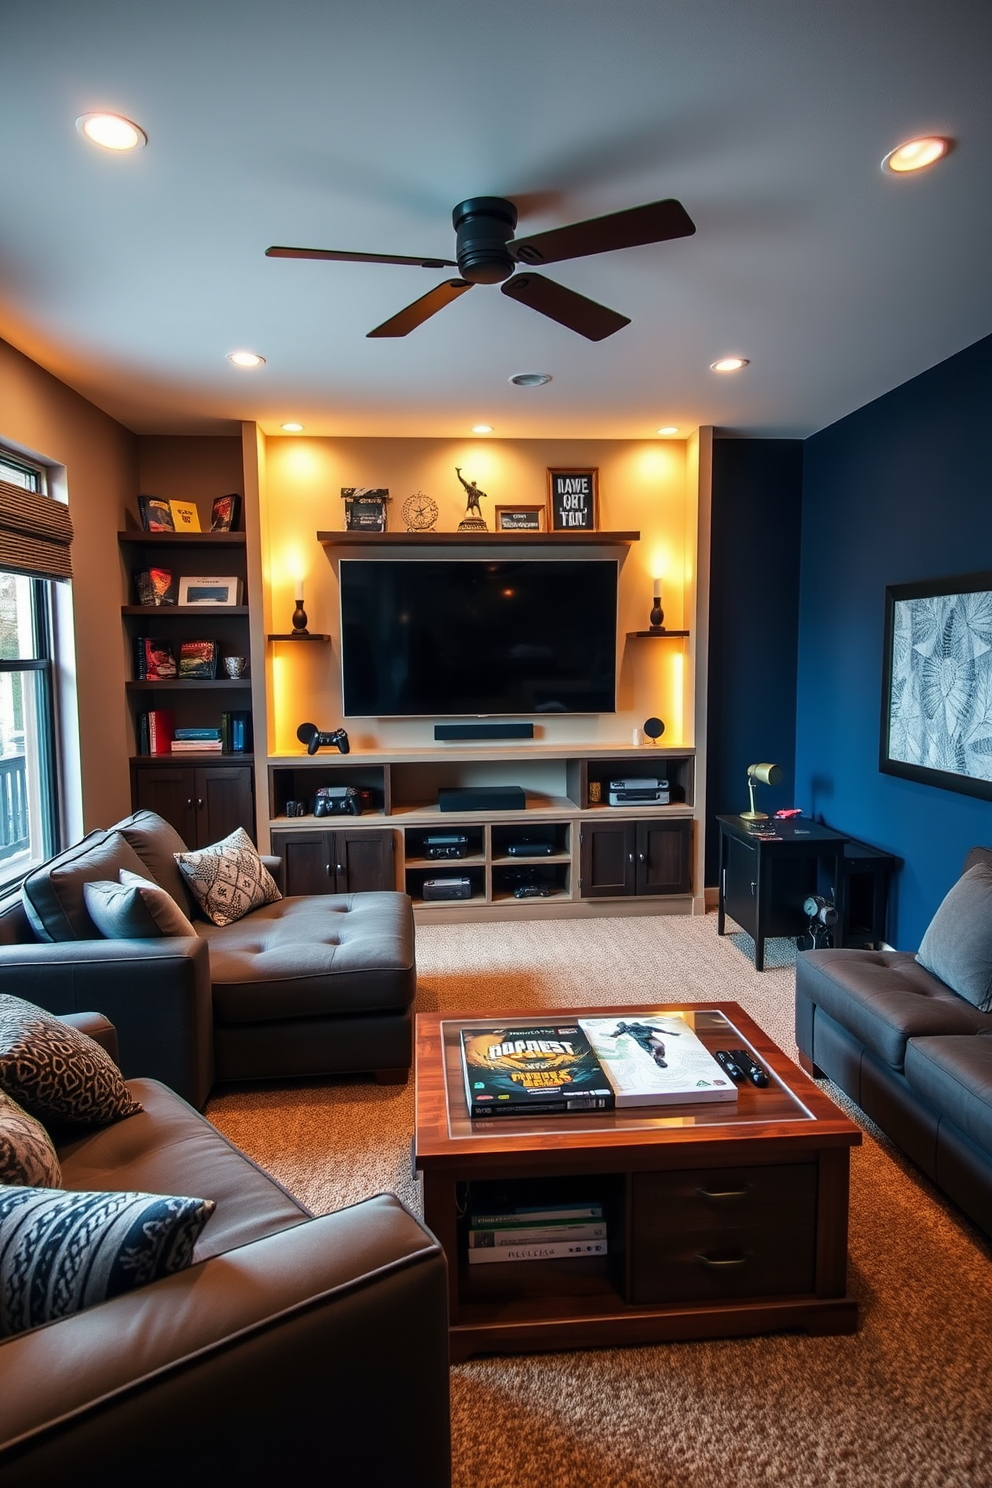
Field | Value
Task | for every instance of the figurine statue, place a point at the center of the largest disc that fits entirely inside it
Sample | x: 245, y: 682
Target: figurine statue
x: 470, y: 522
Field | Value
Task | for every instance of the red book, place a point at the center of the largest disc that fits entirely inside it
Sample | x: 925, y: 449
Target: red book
x: 161, y: 726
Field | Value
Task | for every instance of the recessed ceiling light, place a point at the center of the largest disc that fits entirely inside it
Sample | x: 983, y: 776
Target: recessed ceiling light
x: 112, y: 131
x: 530, y: 379
x: 292, y: 428
x: 917, y: 154
x: 245, y: 358
x: 729, y: 364
x: 669, y: 429
x: 482, y: 428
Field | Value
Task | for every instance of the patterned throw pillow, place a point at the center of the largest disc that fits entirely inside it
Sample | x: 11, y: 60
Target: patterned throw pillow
x: 56, y: 1072
x: 27, y: 1157
x: 228, y: 879
x: 134, y: 909
x: 61, y: 1252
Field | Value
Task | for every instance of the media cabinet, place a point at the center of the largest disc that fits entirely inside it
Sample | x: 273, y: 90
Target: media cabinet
x: 603, y: 859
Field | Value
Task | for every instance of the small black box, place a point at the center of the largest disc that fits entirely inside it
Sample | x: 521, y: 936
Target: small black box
x: 466, y: 732
x: 482, y: 798
x: 529, y: 850
x: 447, y: 888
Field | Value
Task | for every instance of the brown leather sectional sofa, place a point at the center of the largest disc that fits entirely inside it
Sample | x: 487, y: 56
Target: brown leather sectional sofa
x: 293, y: 1347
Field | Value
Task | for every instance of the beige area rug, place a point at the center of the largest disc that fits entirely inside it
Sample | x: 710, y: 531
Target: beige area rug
x: 905, y: 1403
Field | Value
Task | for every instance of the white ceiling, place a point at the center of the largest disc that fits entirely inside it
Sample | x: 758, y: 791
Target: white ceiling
x: 358, y: 124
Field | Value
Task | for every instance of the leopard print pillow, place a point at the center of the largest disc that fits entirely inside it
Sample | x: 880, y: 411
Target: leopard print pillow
x: 55, y: 1072
x: 27, y: 1157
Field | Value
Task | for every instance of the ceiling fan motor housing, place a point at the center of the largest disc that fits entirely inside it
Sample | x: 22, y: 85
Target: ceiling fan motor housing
x: 483, y: 227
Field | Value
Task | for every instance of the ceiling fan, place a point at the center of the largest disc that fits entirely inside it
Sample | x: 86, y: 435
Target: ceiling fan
x: 487, y: 253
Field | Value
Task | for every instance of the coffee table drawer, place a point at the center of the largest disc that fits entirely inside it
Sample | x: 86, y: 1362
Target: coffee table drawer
x: 702, y: 1266
x: 718, y: 1198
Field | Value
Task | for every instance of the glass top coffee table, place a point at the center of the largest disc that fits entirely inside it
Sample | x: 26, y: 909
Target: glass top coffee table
x: 721, y: 1219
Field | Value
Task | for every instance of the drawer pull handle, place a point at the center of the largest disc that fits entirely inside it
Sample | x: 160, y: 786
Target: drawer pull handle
x: 722, y: 1193
x: 722, y: 1263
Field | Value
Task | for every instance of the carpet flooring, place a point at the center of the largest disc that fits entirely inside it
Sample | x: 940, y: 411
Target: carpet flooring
x: 904, y: 1403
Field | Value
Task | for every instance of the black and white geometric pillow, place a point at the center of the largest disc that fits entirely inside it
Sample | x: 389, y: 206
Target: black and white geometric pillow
x: 228, y: 879
x: 61, y: 1252
x: 55, y: 1072
x: 27, y: 1157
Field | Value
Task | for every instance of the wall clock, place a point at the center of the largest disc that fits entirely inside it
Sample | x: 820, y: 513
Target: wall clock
x: 420, y: 513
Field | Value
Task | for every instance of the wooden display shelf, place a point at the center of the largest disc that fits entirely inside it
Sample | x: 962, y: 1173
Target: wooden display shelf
x: 199, y: 684
x: 182, y: 539
x: 294, y: 635
x: 165, y: 612
x: 474, y: 539
x: 655, y: 635
x: 194, y: 757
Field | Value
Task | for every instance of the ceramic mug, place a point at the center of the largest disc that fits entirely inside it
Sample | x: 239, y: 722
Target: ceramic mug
x: 235, y: 666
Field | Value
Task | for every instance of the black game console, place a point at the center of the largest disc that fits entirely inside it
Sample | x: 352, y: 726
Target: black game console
x: 529, y: 850
x: 446, y: 845
x: 447, y: 888
x: 482, y: 798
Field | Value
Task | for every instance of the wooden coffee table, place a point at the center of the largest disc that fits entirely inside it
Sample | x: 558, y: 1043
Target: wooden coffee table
x: 721, y: 1220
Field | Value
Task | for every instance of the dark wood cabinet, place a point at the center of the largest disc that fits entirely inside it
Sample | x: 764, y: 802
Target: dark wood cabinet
x: 636, y: 857
x: 340, y: 861
x: 203, y: 802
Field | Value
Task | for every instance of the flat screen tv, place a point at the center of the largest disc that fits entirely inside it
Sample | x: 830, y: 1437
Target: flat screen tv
x: 478, y: 637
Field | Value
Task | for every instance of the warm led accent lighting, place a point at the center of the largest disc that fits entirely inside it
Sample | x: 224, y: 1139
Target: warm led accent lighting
x: 482, y: 428
x: 729, y: 364
x: 292, y: 428
x: 112, y: 131
x: 669, y: 429
x: 245, y: 358
x: 916, y: 154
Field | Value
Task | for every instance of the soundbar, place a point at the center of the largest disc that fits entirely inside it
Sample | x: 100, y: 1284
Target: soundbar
x: 482, y: 798
x: 469, y: 731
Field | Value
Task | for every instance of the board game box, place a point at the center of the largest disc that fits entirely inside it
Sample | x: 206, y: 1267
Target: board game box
x: 532, y: 1070
x: 655, y: 1059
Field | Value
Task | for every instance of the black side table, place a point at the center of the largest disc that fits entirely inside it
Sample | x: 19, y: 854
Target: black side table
x: 767, y: 869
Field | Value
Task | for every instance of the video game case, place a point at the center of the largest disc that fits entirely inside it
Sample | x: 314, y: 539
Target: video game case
x: 532, y: 1069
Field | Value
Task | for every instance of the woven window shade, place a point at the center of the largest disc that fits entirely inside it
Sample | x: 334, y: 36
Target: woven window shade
x: 35, y: 534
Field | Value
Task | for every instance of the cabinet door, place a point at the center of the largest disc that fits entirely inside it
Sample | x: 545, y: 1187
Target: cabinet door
x: 607, y: 859
x: 223, y: 802
x: 664, y: 857
x: 171, y: 793
x: 740, y: 883
x: 364, y: 861
x: 308, y: 859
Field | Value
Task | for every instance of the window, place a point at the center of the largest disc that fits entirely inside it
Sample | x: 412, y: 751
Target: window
x: 28, y: 776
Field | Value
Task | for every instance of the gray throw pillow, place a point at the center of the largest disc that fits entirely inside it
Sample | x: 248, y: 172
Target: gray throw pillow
x: 957, y: 946
x: 53, y: 894
x: 61, y: 1252
x: 27, y: 1157
x: 228, y: 879
x: 57, y: 1073
x: 133, y: 909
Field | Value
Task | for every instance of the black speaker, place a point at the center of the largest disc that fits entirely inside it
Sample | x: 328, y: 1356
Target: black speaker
x: 466, y: 731
x: 482, y: 798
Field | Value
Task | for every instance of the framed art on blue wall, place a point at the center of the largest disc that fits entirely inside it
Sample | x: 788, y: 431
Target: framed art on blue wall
x: 937, y: 683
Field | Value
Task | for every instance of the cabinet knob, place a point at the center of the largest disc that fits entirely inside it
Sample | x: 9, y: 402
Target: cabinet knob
x: 189, y: 800
x: 641, y: 858
x: 630, y: 857
x: 339, y: 867
x: 327, y: 869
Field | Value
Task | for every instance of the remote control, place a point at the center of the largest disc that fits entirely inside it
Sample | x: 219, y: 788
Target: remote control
x: 752, y: 1070
x: 729, y: 1064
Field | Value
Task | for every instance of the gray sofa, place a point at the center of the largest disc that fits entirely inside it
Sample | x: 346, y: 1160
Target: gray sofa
x: 291, y: 1344
x: 912, y: 1052
x: 305, y: 986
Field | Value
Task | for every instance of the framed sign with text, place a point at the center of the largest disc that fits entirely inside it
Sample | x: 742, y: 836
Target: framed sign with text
x: 520, y: 519
x: 365, y: 508
x: 572, y: 500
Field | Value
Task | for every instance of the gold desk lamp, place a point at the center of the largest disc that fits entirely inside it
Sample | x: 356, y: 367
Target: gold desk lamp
x: 768, y: 775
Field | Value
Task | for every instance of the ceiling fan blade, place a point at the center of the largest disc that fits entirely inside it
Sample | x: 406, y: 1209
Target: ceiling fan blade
x: 429, y: 304
x: 593, y: 321
x: 656, y: 222
x: 340, y: 257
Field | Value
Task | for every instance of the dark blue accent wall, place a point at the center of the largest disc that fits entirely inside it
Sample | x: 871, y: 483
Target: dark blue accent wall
x: 897, y: 492
x: 754, y: 618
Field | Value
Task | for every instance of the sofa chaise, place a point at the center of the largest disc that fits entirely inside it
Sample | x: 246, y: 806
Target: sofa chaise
x: 302, y: 986
x: 907, y: 1037
x: 291, y: 1346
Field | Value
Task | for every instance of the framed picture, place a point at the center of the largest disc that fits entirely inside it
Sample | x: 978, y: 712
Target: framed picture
x: 365, y: 508
x: 156, y: 514
x: 937, y: 683
x: 225, y: 512
x: 520, y: 518
x: 155, y: 587
x: 210, y: 591
x: 572, y: 500
x: 155, y: 660
x: 185, y: 516
x: 198, y: 659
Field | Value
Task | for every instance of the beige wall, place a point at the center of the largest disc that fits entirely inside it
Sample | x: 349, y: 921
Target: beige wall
x: 190, y: 468
x: 642, y: 487
x: 43, y: 418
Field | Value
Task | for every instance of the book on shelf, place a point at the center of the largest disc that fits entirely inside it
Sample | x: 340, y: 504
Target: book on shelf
x: 154, y: 586
x: 156, y: 514
x: 198, y: 659
x: 528, y: 1214
x: 155, y: 659
x: 549, y: 1229
x: 531, y: 1069
x: 655, y: 1059
x: 550, y: 1250
x: 197, y: 746
x: 160, y: 726
x: 197, y: 733
x: 235, y: 732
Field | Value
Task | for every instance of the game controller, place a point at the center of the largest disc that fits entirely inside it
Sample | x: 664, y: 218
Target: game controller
x: 310, y: 735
